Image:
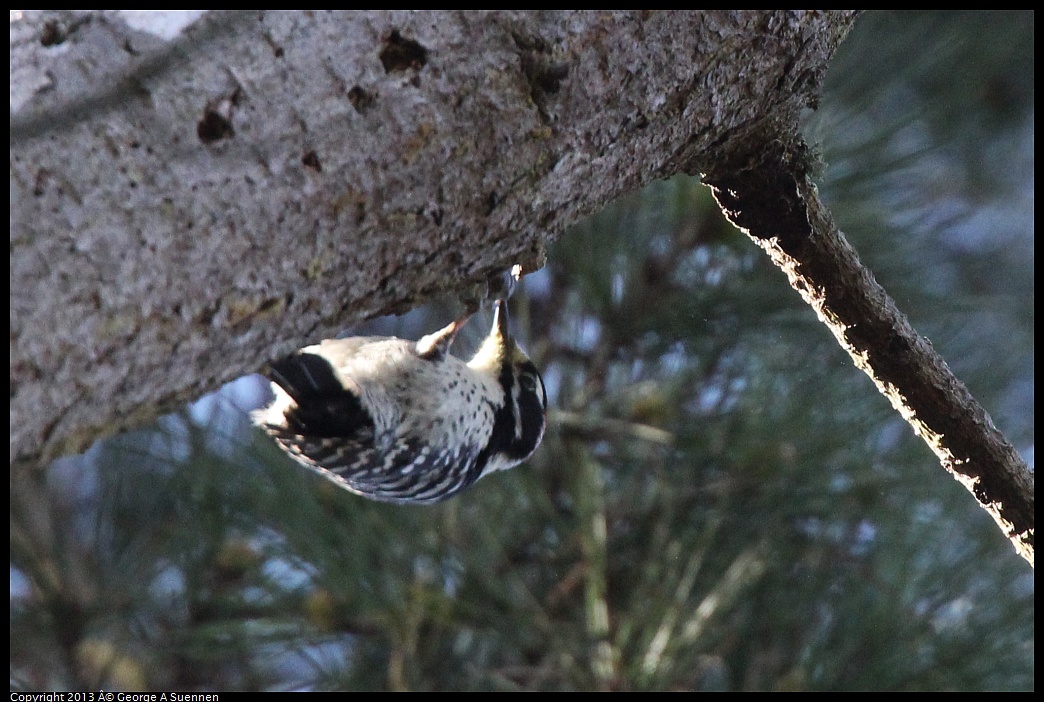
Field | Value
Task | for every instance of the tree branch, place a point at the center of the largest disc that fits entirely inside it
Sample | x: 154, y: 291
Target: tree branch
x: 775, y: 202
x: 184, y: 209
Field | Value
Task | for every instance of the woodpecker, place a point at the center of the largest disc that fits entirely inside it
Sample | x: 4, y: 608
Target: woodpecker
x: 406, y: 422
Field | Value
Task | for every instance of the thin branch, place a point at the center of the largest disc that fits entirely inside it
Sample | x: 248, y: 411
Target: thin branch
x: 606, y: 428
x: 775, y: 202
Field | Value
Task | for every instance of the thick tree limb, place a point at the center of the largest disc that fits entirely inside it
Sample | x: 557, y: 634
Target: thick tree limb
x: 775, y: 202
x: 184, y: 209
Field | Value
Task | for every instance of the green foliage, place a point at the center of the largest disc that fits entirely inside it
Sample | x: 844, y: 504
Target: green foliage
x: 722, y: 500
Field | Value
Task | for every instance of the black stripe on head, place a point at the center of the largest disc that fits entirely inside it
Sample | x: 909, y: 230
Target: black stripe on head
x: 512, y: 438
x: 532, y: 408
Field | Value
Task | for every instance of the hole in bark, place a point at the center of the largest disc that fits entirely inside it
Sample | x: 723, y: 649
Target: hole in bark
x: 401, y: 54
x: 360, y: 99
x: 311, y: 160
x: 213, y: 127
x: 52, y: 34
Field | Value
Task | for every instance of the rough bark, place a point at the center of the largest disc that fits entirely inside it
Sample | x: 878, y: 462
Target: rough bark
x: 184, y: 209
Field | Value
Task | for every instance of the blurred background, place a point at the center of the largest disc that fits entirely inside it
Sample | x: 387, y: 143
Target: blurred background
x: 722, y: 501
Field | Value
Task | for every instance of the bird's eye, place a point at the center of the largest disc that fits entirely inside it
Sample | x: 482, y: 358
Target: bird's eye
x: 528, y: 382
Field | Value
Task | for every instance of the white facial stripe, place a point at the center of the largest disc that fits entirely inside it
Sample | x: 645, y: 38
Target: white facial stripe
x: 516, y: 413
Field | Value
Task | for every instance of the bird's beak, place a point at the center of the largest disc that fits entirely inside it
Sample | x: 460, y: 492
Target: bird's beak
x: 500, y: 318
